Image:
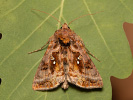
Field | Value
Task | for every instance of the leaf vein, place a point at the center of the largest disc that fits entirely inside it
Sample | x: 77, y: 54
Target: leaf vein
x: 98, y: 29
x: 23, y: 79
x: 28, y: 37
x: 126, y: 6
x: 61, y: 12
x: 11, y: 10
x: 39, y: 97
x: 45, y: 95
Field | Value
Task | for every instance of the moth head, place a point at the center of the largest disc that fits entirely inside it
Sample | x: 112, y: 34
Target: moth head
x: 63, y: 34
x: 65, y: 26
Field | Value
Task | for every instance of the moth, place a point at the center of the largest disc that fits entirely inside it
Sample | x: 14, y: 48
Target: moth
x: 65, y: 61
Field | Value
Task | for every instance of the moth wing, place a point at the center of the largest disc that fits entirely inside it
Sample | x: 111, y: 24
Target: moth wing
x: 50, y: 72
x: 82, y: 71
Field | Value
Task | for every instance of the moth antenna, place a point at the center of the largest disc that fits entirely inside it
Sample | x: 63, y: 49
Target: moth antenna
x: 83, y: 16
x: 48, y: 14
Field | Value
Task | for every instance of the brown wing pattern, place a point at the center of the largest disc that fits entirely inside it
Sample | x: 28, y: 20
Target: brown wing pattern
x: 50, y: 72
x: 66, y: 60
x: 82, y: 71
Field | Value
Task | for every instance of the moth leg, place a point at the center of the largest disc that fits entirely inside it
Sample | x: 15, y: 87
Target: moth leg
x: 38, y: 49
x: 91, y: 54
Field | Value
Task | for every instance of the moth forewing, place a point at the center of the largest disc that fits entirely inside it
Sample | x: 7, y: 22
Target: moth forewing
x: 66, y: 60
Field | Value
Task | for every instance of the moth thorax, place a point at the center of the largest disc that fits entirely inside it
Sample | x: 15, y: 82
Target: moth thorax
x: 64, y: 41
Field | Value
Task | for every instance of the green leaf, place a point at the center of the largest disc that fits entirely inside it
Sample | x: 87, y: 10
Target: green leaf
x: 25, y: 30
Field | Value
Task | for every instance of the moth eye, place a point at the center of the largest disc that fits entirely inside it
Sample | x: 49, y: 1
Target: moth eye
x: 54, y: 62
x: 61, y: 28
x: 77, y: 62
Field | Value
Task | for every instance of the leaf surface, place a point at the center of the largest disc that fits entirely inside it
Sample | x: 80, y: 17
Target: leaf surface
x: 24, y: 30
